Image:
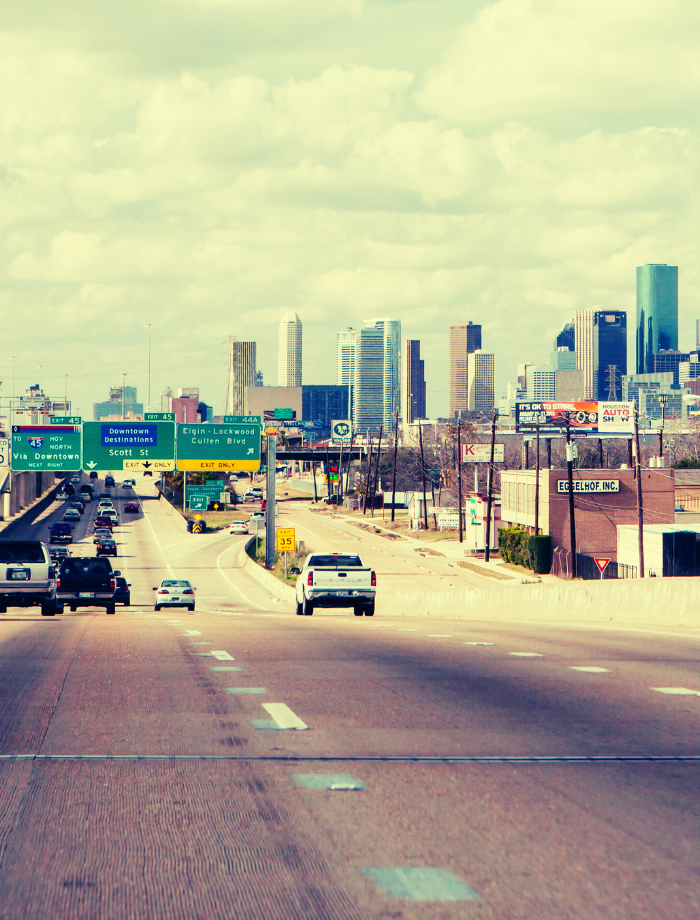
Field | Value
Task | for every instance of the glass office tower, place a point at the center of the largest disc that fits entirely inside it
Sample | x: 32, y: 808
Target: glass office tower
x: 657, y: 313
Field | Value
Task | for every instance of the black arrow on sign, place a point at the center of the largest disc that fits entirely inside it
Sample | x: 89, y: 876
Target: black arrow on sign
x: 147, y: 464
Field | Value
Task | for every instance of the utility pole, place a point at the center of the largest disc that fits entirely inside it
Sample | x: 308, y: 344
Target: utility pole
x: 459, y: 478
x: 537, y: 481
x: 328, y: 475
x: 662, y: 399
x: 570, y: 472
x: 393, y: 475
x: 422, y: 475
x: 489, y: 501
x: 640, y: 510
x: 600, y: 452
x: 376, y: 468
x: 270, y: 534
x: 347, y: 478
x: 313, y: 476
x: 340, y: 472
x: 369, y: 473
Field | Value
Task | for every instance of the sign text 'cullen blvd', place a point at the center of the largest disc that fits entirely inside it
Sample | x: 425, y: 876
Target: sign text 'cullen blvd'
x: 208, y: 447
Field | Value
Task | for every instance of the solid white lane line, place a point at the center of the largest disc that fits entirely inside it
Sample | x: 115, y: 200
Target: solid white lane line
x: 525, y: 654
x: 158, y: 544
x: 283, y: 716
x: 225, y: 576
x: 590, y: 670
x: 222, y: 656
x: 676, y: 691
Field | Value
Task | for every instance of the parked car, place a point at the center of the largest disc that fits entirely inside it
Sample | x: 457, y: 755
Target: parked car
x: 106, y: 547
x: 122, y: 594
x: 174, y: 592
x: 131, y: 508
x: 336, y: 580
x: 238, y: 527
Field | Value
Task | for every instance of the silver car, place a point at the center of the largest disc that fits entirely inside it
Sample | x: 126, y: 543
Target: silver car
x: 174, y: 592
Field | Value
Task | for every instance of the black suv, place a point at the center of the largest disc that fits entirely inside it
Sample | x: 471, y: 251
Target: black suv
x: 109, y: 482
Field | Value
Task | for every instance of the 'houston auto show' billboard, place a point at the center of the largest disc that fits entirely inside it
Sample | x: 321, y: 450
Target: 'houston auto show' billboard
x: 611, y: 418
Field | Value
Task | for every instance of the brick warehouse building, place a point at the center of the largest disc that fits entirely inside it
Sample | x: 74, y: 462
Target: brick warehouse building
x: 599, y: 509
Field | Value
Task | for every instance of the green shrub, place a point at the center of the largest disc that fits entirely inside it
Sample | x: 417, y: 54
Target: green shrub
x: 533, y: 551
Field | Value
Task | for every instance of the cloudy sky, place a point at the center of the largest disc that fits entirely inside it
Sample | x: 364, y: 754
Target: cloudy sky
x: 203, y: 165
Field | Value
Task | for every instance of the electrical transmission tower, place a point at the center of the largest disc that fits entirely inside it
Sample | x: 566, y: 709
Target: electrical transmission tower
x: 612, y: 382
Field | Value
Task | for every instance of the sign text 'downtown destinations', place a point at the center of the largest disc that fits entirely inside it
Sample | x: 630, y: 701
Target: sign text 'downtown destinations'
x: 589, y: 485
x: 218, y: 447
x: 129, y: 446
x: 45, y: 448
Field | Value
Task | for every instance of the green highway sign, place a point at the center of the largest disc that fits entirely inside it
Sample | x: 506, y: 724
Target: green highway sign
x: 159, y: 417
x: 129, y: 446
x: 284, y: 413
x: 66, y: 420
x: 210, y: 447
x: 45, y: 448
x: 214, y: 488
x: 198, y: 502
x: 241, y: 419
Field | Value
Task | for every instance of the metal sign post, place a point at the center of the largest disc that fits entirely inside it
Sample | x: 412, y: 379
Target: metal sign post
x: 270, y: 509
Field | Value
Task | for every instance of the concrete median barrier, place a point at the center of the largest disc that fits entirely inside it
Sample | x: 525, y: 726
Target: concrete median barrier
x: 658, y: 602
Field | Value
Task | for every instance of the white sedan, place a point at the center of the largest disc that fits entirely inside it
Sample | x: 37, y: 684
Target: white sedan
x: 174, y: 592
x: 239, y: 527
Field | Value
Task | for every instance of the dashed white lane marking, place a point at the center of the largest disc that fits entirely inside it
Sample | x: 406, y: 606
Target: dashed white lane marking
x: 407, y: 629
x: 439, y: 636
x: 283, y: 716
x: 191, y: 632
x: 676, y: 691
x: 525, y: 654
x: 478, y: 643
x: 222, y: 656
x: 590, y: 670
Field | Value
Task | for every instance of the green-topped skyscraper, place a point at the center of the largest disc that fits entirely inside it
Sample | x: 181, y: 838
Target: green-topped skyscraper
x: 657, y: 313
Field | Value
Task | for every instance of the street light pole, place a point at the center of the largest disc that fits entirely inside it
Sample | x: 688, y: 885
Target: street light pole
x: 148, y: 326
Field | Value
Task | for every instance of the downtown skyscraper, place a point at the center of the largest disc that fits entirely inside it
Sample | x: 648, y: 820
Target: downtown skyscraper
x: 465, y: 339
x: 414, y: 378
x: 377, y: 381
x: 289, y: 356
x: 657, y: 313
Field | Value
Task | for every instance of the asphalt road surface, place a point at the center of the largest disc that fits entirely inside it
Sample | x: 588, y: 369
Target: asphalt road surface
x: 430, y: 769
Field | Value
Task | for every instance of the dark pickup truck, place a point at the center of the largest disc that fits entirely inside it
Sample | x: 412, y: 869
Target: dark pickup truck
x: 84, y: 581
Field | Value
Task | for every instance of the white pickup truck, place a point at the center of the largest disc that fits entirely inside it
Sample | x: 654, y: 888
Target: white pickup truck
x: 336, y: 580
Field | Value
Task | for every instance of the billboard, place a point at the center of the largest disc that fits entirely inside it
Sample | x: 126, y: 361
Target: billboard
x: 481, y: 453
x: 585, y: 417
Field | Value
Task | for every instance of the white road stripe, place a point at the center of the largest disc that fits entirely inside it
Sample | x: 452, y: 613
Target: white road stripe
x: 478, y: 643
x: 591, y: 670
x: 283, y: 716
x: 222, y: 656
x: 439, y: 636
x: 676, y: 691
x: 192, y: 632
x: 525, y: 654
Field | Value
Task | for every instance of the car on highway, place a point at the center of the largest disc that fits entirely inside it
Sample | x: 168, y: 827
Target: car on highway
x: 174, y: 592
x: 129, y: 484
x: 61, y: 532
x: 84, y: 581
x: 93, y: 474
x: 105, y: 505
x: 102, y: 533
x: 62, y: 496
x: 239, y: 527
x: 336, y: 580
x: 79, y: 507
x: 260, y: 515
x: 131, y: 508
x: 27, y: 576
x: 84, y: 495
x: 147, y: 472
x: 106, y: 547
x: 109, y: 482
x: 248, y: 497
x: 75, y: 479
x: 58, y: 552
x: 72, y: 514
x: 122, y: 594
x: 112, y: 515
x: 103, y: 521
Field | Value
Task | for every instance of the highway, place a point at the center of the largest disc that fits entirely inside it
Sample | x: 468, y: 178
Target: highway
x: 432, y: 768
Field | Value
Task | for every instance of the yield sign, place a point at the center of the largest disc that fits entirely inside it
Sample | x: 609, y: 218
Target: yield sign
x: 602, y: 564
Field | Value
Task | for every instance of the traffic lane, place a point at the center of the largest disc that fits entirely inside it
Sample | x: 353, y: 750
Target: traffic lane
x: 364, y: 687
x: 534, y: 817
x: 408, y: 564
